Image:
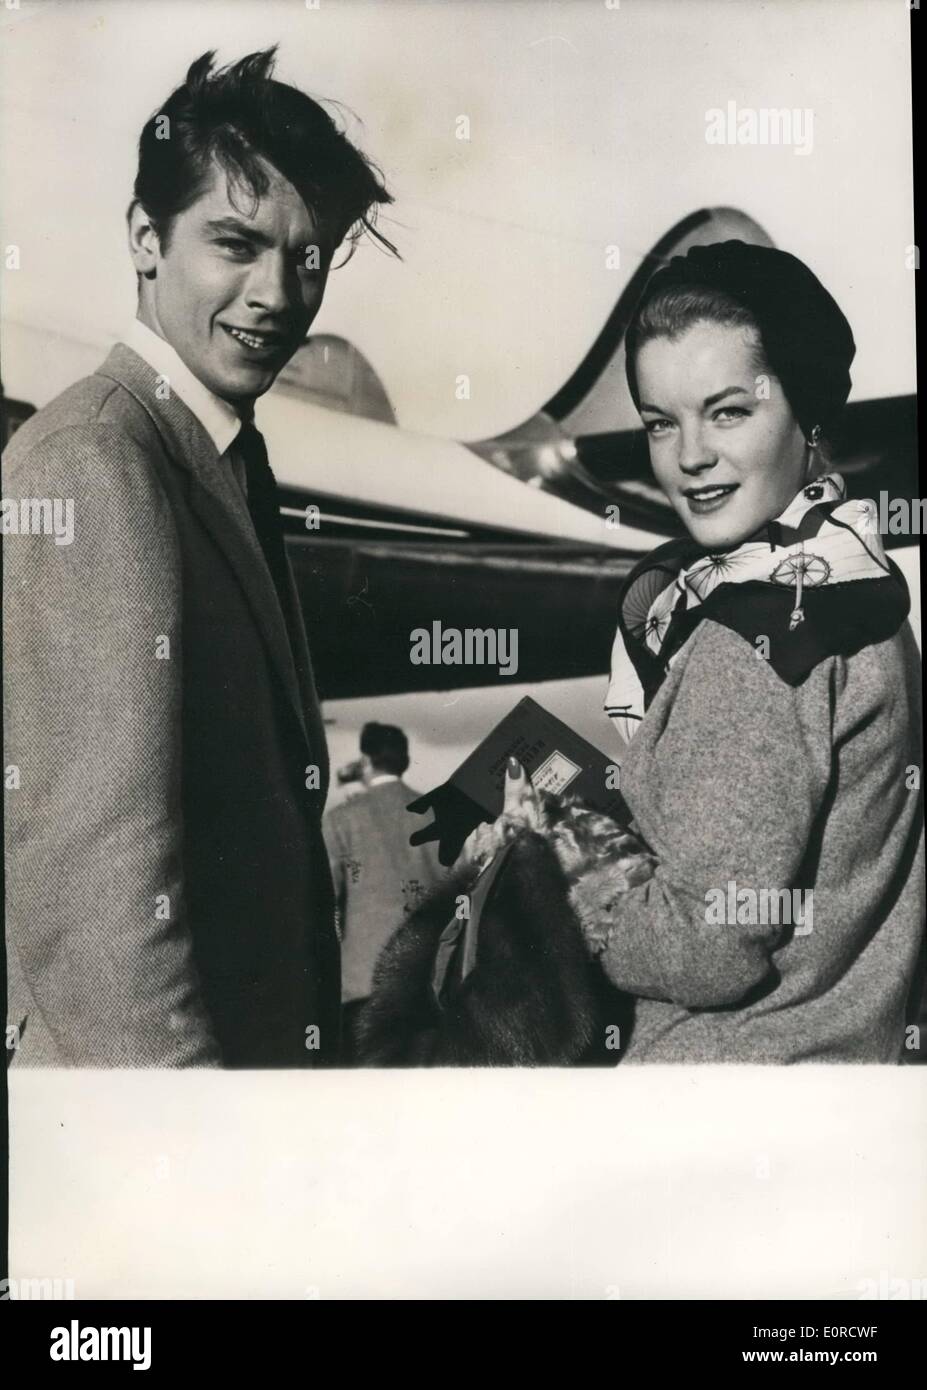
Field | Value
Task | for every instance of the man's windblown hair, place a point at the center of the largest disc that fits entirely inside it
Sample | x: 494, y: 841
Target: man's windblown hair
x: 237, y: 115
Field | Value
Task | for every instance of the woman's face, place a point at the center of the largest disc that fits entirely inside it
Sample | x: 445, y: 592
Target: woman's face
x: 724, y: 444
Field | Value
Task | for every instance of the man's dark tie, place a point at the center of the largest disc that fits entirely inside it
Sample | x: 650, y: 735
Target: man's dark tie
x: 263, y: 505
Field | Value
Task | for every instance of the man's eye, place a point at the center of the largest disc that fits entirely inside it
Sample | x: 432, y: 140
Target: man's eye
x: 236, y: 245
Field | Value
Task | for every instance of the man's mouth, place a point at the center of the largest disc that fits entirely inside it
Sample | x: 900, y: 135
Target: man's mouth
x: 254, y: 340
x: 709, y: 498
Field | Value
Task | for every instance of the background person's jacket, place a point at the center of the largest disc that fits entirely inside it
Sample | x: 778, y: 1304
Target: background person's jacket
x: 168, y: 894
x: 379, y: 877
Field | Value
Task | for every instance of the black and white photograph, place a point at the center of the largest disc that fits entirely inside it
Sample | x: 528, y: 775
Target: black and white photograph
x: 461, y: 522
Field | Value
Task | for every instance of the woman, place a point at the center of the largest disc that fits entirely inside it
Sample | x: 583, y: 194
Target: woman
x: 775, y: 774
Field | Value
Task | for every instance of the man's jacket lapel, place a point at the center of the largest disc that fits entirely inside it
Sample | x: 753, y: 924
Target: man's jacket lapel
x: 216, y: 500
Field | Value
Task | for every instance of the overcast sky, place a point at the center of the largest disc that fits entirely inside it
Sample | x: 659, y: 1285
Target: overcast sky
x: 587, y: 129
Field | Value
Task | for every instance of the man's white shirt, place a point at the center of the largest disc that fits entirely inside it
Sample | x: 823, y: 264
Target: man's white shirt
x: 220, y: 420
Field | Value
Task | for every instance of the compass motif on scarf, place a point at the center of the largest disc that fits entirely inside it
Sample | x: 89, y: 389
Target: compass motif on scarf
x: 801, y: 570
x: 705, y: 575
x: 814, y: 570
x: 655, y: 626
x: 708, y: 574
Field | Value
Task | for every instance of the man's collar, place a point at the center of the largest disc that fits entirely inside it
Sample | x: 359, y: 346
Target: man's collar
x: 219, y: 419
x: 381, y: 777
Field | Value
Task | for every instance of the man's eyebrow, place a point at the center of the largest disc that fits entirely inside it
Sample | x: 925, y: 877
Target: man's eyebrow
x: 232, y: 226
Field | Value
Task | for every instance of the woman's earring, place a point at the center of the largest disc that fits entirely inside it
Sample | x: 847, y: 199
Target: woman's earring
x: 812, y: 444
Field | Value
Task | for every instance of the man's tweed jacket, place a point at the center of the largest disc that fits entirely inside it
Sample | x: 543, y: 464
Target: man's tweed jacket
x: 169, y: 901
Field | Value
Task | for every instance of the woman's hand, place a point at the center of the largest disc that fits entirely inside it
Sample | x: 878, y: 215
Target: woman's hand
x: 521, y: 810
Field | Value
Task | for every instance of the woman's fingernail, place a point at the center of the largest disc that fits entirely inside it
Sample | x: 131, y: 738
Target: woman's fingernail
x: 514, y: 767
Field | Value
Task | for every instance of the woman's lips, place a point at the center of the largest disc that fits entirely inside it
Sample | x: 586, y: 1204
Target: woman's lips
x: 710, y: 498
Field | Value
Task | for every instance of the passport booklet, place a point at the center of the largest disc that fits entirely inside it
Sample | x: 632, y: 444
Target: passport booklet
x: 556, y: 758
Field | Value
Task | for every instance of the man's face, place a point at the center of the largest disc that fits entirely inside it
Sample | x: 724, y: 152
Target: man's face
x: 238, y: 287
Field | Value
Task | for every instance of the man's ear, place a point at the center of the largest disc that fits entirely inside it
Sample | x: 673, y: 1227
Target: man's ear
x: 144, y: 245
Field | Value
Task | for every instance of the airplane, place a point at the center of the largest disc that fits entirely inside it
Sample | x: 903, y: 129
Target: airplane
x: 505, y: 532
x: 514, y: 531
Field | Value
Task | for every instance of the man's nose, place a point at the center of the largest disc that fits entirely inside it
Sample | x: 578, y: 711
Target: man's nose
x: 695, y: 455
x: 269, y: 288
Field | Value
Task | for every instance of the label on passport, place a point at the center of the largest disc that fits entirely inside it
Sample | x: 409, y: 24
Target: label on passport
x: 556, y: 759
x: 555, y: 773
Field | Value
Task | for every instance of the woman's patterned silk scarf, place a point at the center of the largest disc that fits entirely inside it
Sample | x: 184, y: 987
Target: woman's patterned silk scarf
x: 813, y: 583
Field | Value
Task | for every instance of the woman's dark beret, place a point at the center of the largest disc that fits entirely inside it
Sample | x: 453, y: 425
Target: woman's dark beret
x: 807, y: 340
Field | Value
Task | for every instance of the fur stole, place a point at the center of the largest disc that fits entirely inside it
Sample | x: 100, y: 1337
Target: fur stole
x: 533, y: 998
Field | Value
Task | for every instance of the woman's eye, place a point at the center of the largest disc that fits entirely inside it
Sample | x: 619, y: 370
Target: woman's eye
x: 658, y: 426
x: 732, y: 412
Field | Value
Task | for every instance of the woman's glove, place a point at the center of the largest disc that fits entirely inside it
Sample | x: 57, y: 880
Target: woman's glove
x: 594, y: 852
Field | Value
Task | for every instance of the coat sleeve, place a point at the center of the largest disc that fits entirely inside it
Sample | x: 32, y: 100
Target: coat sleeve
x: 737, y: 776
x: 92, y: 693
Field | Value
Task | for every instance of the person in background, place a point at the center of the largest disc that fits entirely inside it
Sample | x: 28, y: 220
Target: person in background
x: 379, y: 877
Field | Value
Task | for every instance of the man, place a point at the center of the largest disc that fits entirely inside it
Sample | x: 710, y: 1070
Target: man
x: 169, y: 900
x: 379, y: 877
